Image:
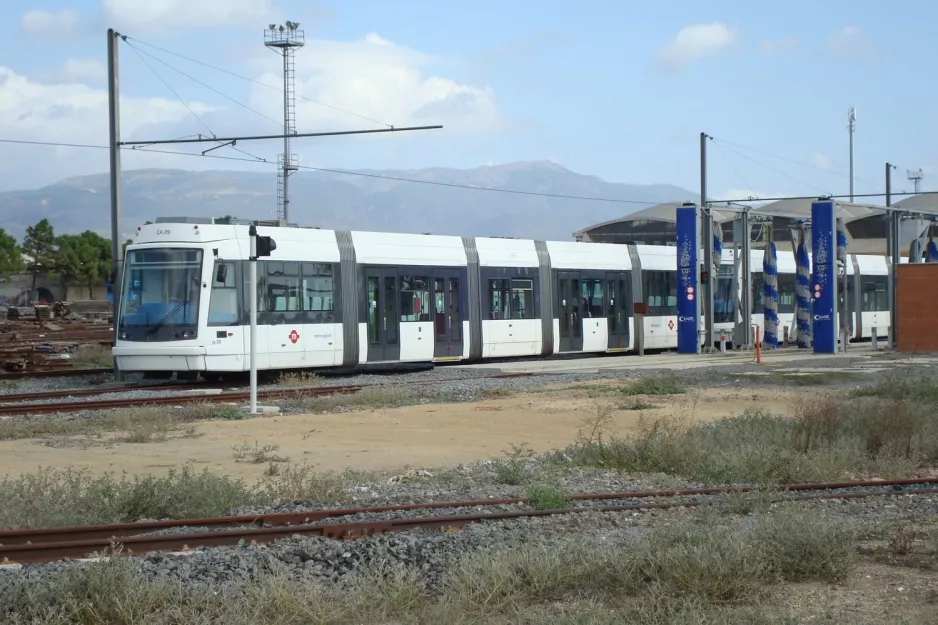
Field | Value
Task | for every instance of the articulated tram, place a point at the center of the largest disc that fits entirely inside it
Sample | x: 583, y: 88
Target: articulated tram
x: 334, y: 298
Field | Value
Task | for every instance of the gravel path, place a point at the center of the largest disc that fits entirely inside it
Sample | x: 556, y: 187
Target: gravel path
x: 448, y: 384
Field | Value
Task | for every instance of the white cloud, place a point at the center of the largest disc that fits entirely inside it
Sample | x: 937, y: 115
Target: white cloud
x: 850, y: 41
x: 822, y: 161
x: 41, y: 22
x: 91, y: 72
x: 377, y: 79
x: 71, y: 112
x: 160, y: 16
x: 693, y: 43
x: 373, y: 77
x: 779, y: 45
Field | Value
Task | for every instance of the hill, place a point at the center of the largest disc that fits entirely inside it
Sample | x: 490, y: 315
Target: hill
x: 334, y: 200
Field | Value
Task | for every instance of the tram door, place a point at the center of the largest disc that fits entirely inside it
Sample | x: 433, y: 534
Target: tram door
x: 447, y: 314
x: 571, y: 323
x: 383, y: 317
x: 618, y: 303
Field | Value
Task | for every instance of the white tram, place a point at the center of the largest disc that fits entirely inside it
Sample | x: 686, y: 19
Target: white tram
x: 339, y: 298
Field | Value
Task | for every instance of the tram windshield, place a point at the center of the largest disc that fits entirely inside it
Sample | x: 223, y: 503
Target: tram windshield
x: 160, y: 299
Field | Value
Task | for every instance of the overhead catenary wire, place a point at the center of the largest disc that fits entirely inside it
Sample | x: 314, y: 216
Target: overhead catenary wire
x: 279, y: 124
x: 746, y: 185
x: 254, y: 81
x: 718, y: 140
x: 140, y: 54
x: 449, y: 184
x: 778, y: 171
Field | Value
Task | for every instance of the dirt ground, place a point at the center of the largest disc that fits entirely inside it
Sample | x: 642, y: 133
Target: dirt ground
x: 388, y: 440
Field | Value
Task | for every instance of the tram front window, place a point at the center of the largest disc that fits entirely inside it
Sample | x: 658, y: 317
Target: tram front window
x: 160, y: 299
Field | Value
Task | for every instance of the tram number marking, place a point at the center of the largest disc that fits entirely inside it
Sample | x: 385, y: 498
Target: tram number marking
x: 294, y: 336
x: 162, y: 232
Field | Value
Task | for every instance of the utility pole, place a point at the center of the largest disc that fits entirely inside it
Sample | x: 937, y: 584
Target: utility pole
x: 851, y: 127
x: 286, y: 40
x: 114, y: 130
x: 706, y: 232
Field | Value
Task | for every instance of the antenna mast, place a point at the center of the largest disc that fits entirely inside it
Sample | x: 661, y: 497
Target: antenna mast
x: 284, y: 40
x: 851, y: 127
x: 916, y: 177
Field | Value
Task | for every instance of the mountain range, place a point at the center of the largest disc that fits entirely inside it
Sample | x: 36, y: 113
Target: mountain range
x: 369, y: 200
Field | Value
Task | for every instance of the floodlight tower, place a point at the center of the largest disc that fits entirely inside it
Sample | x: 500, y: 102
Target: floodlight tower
x: 916, y: 177
x: 284, y: 40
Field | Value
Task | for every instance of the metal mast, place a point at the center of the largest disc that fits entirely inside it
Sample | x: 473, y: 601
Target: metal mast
x: 851, y: 127
x: 284, y: 40
x: 916, y: 177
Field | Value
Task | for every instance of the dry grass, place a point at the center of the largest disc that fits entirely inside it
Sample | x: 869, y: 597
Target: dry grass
x: 885, y: 433
x: 52, y: 498
x: 126, y: 425
x: 93, y: 355
x: 681, y: 573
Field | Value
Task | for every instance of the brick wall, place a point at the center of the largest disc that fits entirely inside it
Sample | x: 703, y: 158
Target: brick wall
x: 917, y: 290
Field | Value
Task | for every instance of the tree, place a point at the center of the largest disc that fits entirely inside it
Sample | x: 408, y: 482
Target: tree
x: 83, y: 258
x: 11, y: 256
x: 39, y: 246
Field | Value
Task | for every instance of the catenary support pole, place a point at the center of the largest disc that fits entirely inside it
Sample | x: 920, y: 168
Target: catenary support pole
x: 706, y: 232
x: 895, y: 253
x: 117, y: 259
x: 746, y: 298
x: 252, y: 291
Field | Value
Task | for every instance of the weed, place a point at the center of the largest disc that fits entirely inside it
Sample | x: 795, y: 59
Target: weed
x: 93, y: 355
x: 657, y: 385
x: 828, y: 439
x: 677, y: 574
x: 634, y: 403
x: 757, y: 501
x: 512, y: 470
x: 798, y: 547
x: 257, y: 454
x: 547, y: 498
x: 298, y: 378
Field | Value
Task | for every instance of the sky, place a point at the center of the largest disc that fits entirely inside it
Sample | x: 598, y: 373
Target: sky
x: 618, y: 89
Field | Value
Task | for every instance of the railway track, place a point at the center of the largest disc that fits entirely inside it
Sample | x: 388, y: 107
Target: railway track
x: 7, y: 408
x: 46, y: 545
x: 86, y: 392
x: 106, y: 404
x: 52, y: 373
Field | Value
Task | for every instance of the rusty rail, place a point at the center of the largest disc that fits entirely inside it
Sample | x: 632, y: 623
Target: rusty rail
x: 52, y: 373
x: 105, y: 404
x: 85, y: 392
x: 43, y: 545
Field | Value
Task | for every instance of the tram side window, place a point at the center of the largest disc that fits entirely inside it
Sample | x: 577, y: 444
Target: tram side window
x: 318, y: 287
x: 522, y: 298
x: 415, y: 298
x: 499, y: 299
x: 223, y: 302
x: 661, y: 287
x: 591, y: 298
x: 283, y: 286
x: 875, y: 294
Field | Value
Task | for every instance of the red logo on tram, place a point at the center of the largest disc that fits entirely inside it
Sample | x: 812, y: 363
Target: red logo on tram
x: 294, y: 336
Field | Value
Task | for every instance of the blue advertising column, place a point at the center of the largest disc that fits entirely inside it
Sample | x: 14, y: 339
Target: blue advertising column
x: 688, y: 305
x: 824, y: 276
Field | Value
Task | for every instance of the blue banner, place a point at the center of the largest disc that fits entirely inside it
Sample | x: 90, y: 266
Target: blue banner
x: 824, y: 277
x: 688, y: 305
